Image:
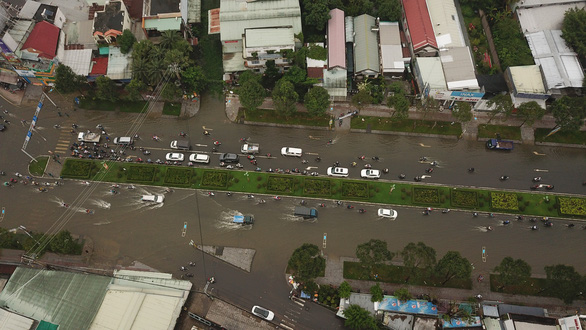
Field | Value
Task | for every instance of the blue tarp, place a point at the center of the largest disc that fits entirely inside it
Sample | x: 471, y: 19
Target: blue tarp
x: 305, y: 295
x: 392, y: 304
x: 459, y: 323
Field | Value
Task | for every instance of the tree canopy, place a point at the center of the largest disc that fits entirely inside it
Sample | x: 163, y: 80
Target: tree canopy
x: 66, y: 81
x: 377, y: 293
x: 106, y: 90
x: 389, y: 10
x: 361, y: 98
x: 194, y: 79
x: 513, y: 271
x: 503, y: 105
x: 251, y: 94
x: 317, y: 101
x: 402, y: 294
x: 530, y: 112
x: 564, y: 282
x: 306, y: 262
x: 344, y: 290
x: 359, y: 318
x: 372, y: 253
x: 316, y: 13
x: 285, y: 97
x: 462, y: 111
x: 574, y: 30
x: 125, y: 41
x: 418, y: 256
x: 453, y: 265
x: 569, y: 112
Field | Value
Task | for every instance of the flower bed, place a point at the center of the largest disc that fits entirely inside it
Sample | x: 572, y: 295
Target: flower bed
x: 572, y: 206
x: 425, y: 195
x: 138, y: 173
x: 504, y: 201
x: 178, y: 176
x: 319, y: 187
x: 77, y: 168
x: 215, y: 179
x: 280, y: 184
x: 355, y: 189
x: 464, y: 198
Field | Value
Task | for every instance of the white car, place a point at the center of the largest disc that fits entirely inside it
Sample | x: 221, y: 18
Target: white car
x: 292, y: 152
x: 263, y: 312
x: 153, y: 198
x: 338, y: 171
x: 370, y: 174
x: 387, y: 213
x: 199, y: 158
x: 175, y: 156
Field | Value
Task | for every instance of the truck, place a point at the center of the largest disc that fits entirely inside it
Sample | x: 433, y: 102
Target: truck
x: 243, y: 219
x: 498, y: 144
x: 250, y: 148
x: 305, y: 212
x: 180, y: 144
x: 88, y: 137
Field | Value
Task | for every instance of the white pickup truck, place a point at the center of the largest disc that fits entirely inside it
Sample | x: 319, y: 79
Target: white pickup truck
x: 250, y: 148
x: 88, y: 137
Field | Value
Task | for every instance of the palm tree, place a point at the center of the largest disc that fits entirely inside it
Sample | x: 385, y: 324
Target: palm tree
x: 169, y: 38
x: 156, y: 68
x: 140, y: 69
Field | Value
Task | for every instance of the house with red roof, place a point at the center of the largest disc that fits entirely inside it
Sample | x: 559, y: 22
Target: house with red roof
x: 418, y: 28
x: 42, y: 43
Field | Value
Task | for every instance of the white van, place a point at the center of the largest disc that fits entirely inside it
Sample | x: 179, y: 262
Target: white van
x: 199, y: 158
x: 153, y: 198
x: 127, y: 140
x: 292, y: 152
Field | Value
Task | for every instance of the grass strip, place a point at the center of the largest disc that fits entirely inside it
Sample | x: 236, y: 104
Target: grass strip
x: 38, y: 168
x: 505, y: 132
x: 560, y: 137
x: 273, y: 116
x: 407, y: 125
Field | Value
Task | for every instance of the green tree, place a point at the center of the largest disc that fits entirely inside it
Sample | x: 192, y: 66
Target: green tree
x: 377, y: 293
x: 530, y: 112
x: 169, y: 38
x: 156, y: 68
x: 64, y: 243
x: 401, y: 105
x: 310, y: 287
x: 306, y: 263
x: 106, y: 90
x: 140, y: 69
x: 317, y: 52
x: 66, y: 81
x: 453, y: 265
x: 248, y: 75
x: 503, y: 105
x: 563, y: 282
x: 251, y: 94
x: 134, y: 90
x: 417, y: 256
x: 125, y: 41
x: 285, y: 97
x: 403, y: 294
x: 316, y: 13
x: 317, y: 101
x: 389, y: 10
x: 569, y: 113
x: 361, y: 98
x: 142, y: 49
x: 171, y: 92
x: 271, y: 75
x: 194, y: 79
x: 344, y: 290
x: 358, y: 7
x: 372, y: 253
x: 359, y: 318
x: 462, y: 111
x: 513, y: 271
x: 574, y: 30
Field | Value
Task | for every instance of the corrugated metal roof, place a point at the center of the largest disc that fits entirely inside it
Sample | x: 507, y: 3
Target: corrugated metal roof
x: 68, y: 299
x: 237, y: 15
x: 445, y: 22
x: 349, y: 27
x: 419, y: 24
x: 163, y: 24
x: 267, y: 37
x: 459, y: 68
x: 527, y: 79
x: 432, y: 72
x: 13, y: 321
x: 546, y: 17
x: 119, y: 65
x: 336, y: 39
x: 233, y: 62
x: 559, y: 63
x: 365, y: 44
x: 390, y: 47
x: 79, y: 60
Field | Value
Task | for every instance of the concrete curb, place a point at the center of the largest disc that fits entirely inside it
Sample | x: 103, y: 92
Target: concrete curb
x: 486, y: 139
x: 565, y: 145
x: 255, y: 123
x: 448, y: 137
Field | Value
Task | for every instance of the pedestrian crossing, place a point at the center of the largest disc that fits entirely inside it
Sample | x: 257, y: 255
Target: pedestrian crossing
x: 292, y: 314
x: 64, y: 140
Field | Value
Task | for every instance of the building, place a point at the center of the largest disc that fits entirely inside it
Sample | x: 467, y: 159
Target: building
x: 315, y: 68
x: 366, y: 57
x: 391, y: 50
x: 159, y: 16
x: 560, y: 65
x: 446, y: 23
x: 459, y: 69
x: 335, y: 75
x: 42, y: 43
x: 238, y: 15
x: 111, y: 22
x: 266, y: 44
x: 526, y: 84
x: 36, y: 11
x: 539, y: 15
x: 418, y: 28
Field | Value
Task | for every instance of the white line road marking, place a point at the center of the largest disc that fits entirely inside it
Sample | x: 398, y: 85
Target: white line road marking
x: 312, y: 153
x: 285, y: 326
x: 538, y: 170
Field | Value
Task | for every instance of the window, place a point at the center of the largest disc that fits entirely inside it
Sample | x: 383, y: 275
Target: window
x: 254, y: 62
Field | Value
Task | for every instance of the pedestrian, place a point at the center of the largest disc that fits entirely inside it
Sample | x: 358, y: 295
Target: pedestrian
x: 50, y: 174
x: 50, y: 152
x: 56, y: 155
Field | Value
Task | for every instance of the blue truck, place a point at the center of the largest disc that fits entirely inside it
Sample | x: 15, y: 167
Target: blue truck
x: 498, y: 144
x: 243, y: 219
x: 305, y: 212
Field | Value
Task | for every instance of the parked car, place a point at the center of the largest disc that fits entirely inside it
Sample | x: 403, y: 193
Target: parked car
x: 338, y: 171
x: 292, y: 152
x: 175, y: 156
x: 387, y: 213
x: 263, y: 312
x: 370, y: 174
x: 199, y: 158
x: 229, y: 158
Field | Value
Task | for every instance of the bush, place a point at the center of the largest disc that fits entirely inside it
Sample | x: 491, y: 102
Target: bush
x: 78, y: 169
x: 425, y: 195
x: 504, y: 201
x: 572, y: 206
x: 141, y: 173
x: 355, y: 189
x: 214, y: 179
x: 464, y: 198
x: 321, y: 187
x: 178, y: 176
x: 280, y: 184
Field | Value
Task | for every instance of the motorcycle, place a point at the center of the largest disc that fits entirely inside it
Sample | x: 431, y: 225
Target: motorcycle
x: 239, y: 165
x: 534, y: 228
x: 506, y: 222
x: 402, y: 176
x: 446, y: 211
x: 429, y: 170
x: 211, y: 194
x: 368, y: 166
x: 349, y: 207
x: 418, y: 178
x: 385, y: 170
x: 353, y: 164
x: 375, y: 158
x: 504, y: 178
x: 536, y: 179
x: 191, y: 263
x: 471, y: 170
x: 217, y: 143
x: 258, y: 169
x: 361, y: 211
x: 230, y: 167
x: 182, y: 134
x: 314, y: 174
x: 277, y: 198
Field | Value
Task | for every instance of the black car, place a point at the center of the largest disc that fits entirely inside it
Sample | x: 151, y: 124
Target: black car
x: 229, y: 158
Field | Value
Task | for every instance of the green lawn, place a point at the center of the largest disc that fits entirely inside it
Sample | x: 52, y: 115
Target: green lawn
x: 398, y: 275
x: 506, y: 132
x: 123, y: 106
x: 531, y: 287
x: 407, y: 125
x: 38, y: 167
x: 560, y: 137
x: 527, y: 203
x: 172, y: 109
x: 273, y: 116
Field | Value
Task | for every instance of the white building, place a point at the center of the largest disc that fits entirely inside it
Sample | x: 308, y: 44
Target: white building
x: 391, y: 50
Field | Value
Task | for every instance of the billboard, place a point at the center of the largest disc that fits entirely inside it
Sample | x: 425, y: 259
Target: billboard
x: 457, y: 96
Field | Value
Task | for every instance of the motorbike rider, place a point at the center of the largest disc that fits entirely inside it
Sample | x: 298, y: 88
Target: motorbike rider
x: 362, y: 210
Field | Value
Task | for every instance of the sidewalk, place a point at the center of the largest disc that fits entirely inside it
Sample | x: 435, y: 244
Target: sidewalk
x: 334, y: 276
